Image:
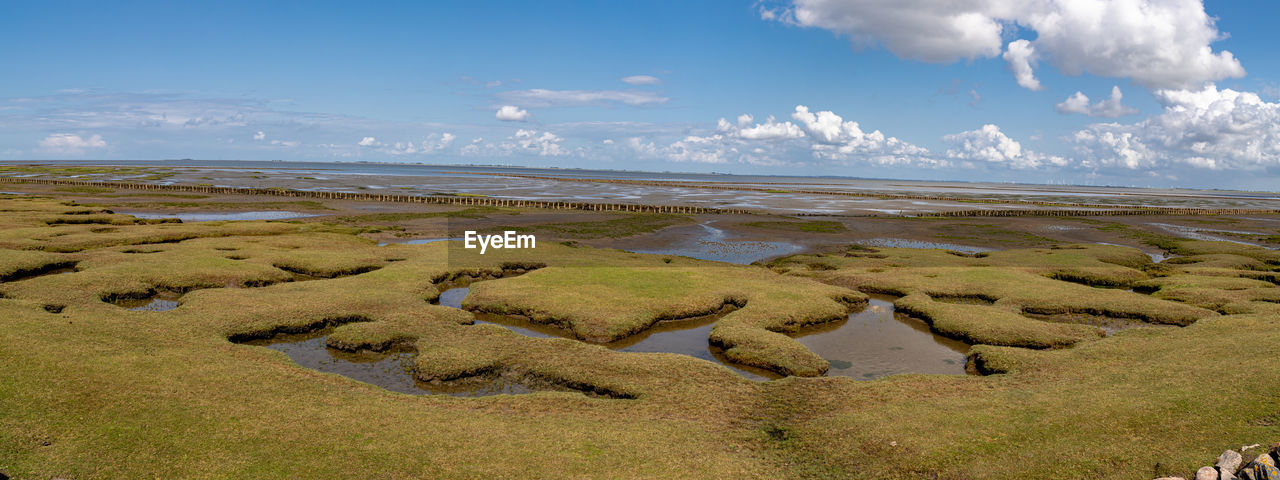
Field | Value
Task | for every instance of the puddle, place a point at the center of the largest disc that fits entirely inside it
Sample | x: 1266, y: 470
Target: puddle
x: 393, y: 370
x: 870, y: 343
x: 213, y: 217
x: 714, y: 245
x: 906, y: 243
x: 875, y: 342
x: 13, y: 193
x: 161, y: 302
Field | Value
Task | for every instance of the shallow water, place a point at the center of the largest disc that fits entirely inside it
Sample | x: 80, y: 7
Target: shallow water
x: 875, y: 342
x: 161, y: 302
x: 870, y: 343
x: 715, y: 245
x: 391, y: 370
x: 908, y: 243
x: 213, y: 217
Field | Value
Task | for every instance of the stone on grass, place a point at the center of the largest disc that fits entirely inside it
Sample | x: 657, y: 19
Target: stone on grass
x: 1207, y: 473
x: 1229, y: 461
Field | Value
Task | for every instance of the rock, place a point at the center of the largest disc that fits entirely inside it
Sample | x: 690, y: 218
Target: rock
x: 1207, y: 473
x: 1229, y: 461
x: 1225, y: 475
x: 1171, y: 478
x: 1262, y: 468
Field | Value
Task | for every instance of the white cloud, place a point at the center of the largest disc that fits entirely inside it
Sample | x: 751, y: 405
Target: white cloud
x: 260, y: 136
x: 770, y: 130
x: 540, y: 98
x: 432, y: 144
x: 1205, y: 128
x: 1021, y: 56
x: 824, y: 136
x: 523, y: 142
x: 837, y: 139
x: 286, y: 143
x: 71, y: 144
x: 642, y: 80
x: 1110, y: 108
x: 547, y: 145
x: 511, y: 113
x: 1157, y: 43
x: 991, y: 146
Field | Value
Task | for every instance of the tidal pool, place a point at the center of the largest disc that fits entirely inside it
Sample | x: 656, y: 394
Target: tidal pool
x: 392, y: 370
x: 871, y: 343
x: 213, y: 217
x: 161, y: 302
x: 907, y: 243
x: 715, y: 245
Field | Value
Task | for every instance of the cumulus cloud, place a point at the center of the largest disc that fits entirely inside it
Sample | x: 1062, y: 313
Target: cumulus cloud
x: 1203, y: 128
x: 260, y: 136
x: 511, y: 113
x: 823, y: 136
x: 1110, y: 108
x: 642, y: 80
x: 1157, y: 43
x: 991, y: 146
x: 771, y: 129
x: 837, y: 139
x: 71, y: 144
x: 1021, y: 55
x: 540, y: 98
x: 432, y: 144
x: 523, y: 142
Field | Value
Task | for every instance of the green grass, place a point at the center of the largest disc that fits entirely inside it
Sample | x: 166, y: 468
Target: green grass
x: 89, y: 190
x: 816, y: 226
x: 98, y: 391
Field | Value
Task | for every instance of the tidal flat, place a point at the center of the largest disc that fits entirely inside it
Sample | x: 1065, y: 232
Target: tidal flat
x: 261, y: 348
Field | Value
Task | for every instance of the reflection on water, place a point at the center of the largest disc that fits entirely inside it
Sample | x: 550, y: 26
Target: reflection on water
x: 870, y: 343
x: 907, y: 243
x: 213, y: 217
x: 875, y: 342
x: 161, y: 302
x: 714, y: 245
x: 391, y: 370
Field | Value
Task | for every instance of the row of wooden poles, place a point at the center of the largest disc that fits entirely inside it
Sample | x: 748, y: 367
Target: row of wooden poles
x: 386, y: 197
x: 610, y: 207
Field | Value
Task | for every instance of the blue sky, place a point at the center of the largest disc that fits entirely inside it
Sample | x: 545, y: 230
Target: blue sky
x: 925, y: 89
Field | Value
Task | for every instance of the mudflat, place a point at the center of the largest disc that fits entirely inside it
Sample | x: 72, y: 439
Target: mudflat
x: 744, y: 345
